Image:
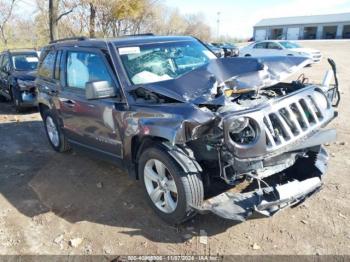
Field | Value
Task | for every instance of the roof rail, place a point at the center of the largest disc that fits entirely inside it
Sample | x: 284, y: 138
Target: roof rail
x: 144, y: 34
x: 77, y: 38
x: 24, y: 48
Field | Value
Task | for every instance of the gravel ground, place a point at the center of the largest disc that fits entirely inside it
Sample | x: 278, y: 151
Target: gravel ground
x: 54, y: 203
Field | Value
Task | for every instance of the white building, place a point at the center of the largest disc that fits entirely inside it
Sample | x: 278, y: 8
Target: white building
x: 332, y: 26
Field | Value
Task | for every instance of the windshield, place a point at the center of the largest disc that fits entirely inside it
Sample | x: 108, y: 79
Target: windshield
x: 288, y: 45
x: 25, y: 62
x: 163, y: 61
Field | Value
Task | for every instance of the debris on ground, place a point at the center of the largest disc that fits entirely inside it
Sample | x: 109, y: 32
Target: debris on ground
x: 128, y: 205
x: 304, y: 222
x: 255, y: 246
x: 58, y: 239
x: 99, y: 185
x: 75, y: 242
x: 341, y: 215
x: 203, y: 237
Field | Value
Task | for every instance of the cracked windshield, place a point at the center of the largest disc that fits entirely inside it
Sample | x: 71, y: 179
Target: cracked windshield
x: 163, y: 61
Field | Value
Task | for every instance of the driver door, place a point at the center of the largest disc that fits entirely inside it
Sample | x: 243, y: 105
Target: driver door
x: 89, y: 123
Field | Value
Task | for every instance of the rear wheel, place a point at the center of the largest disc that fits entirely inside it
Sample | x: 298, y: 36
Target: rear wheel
x: 54, y: 133
x: 168, y: 188
x: 247, y: 55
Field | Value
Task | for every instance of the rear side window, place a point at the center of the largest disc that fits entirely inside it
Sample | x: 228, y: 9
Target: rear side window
x: 6, y: 62
x: 261, y: 45
x: 47, y: 66
x: 273, y: 45
x: 83, y: 67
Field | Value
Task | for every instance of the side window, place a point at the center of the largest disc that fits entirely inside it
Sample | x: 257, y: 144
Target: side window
x: 47, y: 66
x: 83, y: 67
x: 273, y: 45
x: 58, y: 65
x: 262, y: 45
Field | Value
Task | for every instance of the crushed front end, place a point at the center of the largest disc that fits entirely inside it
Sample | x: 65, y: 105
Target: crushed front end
x: 271, y: 151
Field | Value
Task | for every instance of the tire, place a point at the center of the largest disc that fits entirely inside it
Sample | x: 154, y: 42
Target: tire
x: 60, y: 142
x: 15, y: 94
x: 2, y: 98
x: 247, y: 55
x: 189, y: 186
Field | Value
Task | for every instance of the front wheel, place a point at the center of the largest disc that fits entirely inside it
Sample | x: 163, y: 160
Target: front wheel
x: 54, y: 133
x: 16, y: 94
x: 170, y: 191
x: 247, y: 55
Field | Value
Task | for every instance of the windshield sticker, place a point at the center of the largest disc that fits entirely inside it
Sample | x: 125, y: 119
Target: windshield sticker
x: 209, y: 54
x: 32, y: 59
x: 129, y: 50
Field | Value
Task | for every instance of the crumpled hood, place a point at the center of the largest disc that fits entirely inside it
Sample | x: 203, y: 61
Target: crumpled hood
x: 201, y: 85
x: 25, y: 75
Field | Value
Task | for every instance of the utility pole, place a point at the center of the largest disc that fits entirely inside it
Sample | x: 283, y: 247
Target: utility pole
x: 218, y: 26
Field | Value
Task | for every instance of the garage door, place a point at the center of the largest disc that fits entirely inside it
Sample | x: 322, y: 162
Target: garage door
x: 260, y: 34
x: 293, y: 33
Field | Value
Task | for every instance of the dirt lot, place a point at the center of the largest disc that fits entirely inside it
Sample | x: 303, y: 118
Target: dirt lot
x: 49, y: 199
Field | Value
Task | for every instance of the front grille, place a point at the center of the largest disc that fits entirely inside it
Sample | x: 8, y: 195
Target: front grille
x: 282, y: 122
x: 294, y: 120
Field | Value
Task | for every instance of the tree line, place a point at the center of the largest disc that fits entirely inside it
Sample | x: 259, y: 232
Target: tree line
x: 54, y: 19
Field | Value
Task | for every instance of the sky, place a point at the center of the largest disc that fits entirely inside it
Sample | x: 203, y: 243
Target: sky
x: 237, y: 17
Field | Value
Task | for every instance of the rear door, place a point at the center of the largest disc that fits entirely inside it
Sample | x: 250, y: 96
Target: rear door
x: 89, y: 123
x: 46, y: 82
x: 260, y: 49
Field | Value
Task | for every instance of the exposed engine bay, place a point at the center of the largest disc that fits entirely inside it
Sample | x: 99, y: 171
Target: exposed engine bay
x: 261, y: 131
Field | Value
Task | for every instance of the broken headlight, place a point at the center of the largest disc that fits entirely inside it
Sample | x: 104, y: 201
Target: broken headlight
x: 243, y: 131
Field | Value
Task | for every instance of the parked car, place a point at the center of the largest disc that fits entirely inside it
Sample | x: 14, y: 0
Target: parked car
x: 229, y: 49
x: 188, y: 125
x: 219, y: 52
x: 280, y: 48
x: 17, y: 75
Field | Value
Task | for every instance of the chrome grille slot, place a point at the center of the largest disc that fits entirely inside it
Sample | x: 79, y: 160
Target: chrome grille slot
x: 286, y: 122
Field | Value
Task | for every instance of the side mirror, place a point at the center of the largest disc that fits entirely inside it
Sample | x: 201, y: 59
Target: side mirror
x: 99, y: 89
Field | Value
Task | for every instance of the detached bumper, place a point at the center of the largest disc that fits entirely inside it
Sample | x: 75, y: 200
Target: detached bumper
x: 268, y: 200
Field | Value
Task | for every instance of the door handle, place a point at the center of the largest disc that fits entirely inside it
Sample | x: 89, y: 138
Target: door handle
x: 69, y: 103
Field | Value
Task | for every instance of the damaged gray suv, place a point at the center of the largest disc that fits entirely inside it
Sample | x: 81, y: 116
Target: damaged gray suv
x: 202, y: 134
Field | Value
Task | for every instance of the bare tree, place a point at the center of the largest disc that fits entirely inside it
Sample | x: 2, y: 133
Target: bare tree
x: 92, y: 19
x: 55, y: 17
x: 6, y: 9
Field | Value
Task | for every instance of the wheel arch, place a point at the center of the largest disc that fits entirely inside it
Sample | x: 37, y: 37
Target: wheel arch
x: 181, y: 153
x: 42, y: 108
